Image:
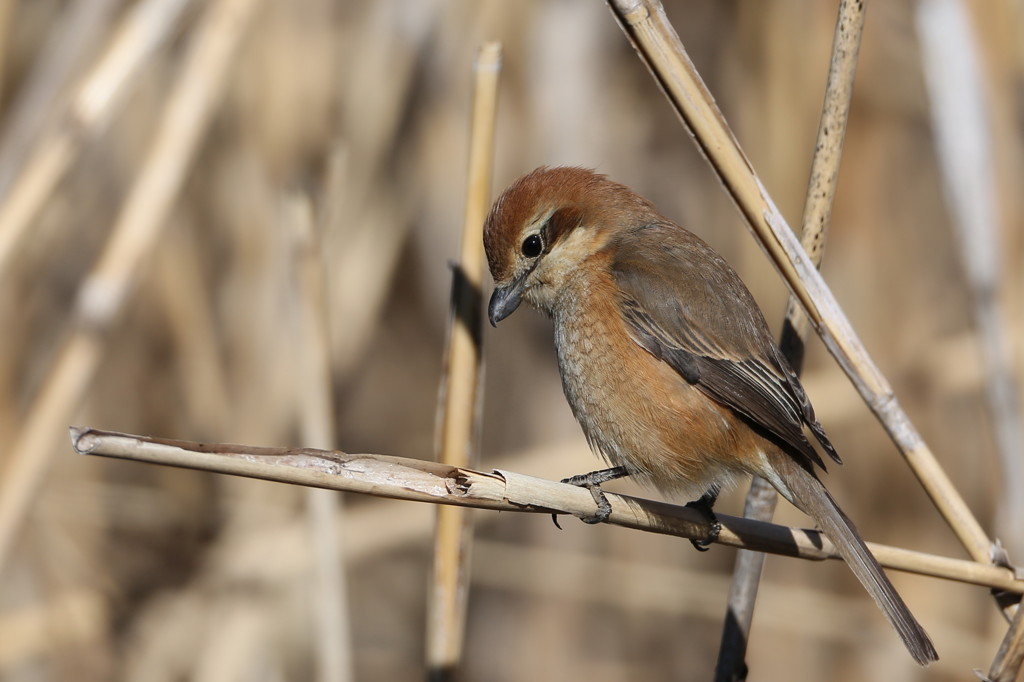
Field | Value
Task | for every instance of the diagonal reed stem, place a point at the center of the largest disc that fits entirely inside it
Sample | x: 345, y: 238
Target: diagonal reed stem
x: 645, y: 23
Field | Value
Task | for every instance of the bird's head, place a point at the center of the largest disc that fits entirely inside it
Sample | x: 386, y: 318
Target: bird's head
x: 545, y: 225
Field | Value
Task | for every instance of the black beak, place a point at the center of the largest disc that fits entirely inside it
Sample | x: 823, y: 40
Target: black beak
x: 506, y: 299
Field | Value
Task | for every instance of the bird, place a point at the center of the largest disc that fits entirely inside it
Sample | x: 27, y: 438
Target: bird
x: 666, y: 360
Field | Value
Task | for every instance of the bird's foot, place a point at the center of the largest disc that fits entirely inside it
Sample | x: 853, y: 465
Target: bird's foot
x: 704, y: 505
x: 592, y: 481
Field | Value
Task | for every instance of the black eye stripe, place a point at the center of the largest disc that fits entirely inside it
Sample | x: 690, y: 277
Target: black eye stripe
x: 532, y: 246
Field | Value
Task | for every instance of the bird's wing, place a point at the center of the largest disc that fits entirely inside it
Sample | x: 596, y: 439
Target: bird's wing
x: 684, y: 304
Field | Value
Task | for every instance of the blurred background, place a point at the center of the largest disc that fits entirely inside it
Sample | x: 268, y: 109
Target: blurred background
x: 359, y: 112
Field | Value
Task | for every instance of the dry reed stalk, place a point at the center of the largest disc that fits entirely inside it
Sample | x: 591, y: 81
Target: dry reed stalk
x: 107, y: 287
x: 427, y: 481
x: 645, y: 23
x: 828, y: 148
x: 378, y: 526
x: 760, y: 505
x: 325, y: 515
x: 1009, y: 659
x: 961, y: 125
x: 459, y: 407
x: 950, y: 368
x: 821, y: 188
x: 139, y: 36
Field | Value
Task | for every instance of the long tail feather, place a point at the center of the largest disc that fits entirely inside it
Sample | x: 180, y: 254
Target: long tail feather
x: 810, y: 495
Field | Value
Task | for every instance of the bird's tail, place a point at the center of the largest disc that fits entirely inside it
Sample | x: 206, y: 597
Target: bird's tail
x: 810, y: 495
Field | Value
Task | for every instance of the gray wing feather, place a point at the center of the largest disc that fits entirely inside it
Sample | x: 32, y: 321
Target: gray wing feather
x: 684, y: 304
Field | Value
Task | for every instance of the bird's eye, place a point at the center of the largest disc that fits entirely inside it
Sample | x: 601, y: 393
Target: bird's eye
x: 532, y: 246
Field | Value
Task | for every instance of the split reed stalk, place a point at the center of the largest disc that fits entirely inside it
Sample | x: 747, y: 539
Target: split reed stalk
x: 437, y: 483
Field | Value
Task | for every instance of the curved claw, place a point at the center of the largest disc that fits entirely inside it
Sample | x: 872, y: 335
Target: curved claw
x: 704, y: 505
x: 716, y: 530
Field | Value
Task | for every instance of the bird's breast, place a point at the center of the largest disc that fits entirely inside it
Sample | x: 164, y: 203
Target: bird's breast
x: 634, y: 409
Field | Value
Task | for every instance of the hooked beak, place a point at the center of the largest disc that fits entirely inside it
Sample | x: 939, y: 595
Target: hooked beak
x: 506, y: 299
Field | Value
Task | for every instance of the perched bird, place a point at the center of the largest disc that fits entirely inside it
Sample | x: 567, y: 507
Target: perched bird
x: 665, y: 358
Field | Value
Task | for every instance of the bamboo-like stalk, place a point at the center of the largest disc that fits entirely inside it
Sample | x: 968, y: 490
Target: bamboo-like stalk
x: 459, y: 407
x: 821, y: 188
x: 420, y: 480
x: 326, y: 524
x: 759, y: 506
x: 112, y: 279
x: 1009, y: 659
x: 645, y: 23
x: 828, y: 150
x: 140, y: 35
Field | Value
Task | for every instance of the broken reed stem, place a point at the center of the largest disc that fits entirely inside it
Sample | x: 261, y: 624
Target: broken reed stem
x: 104, y: 292
x: 145, y: 28
x: 427, y: 481
x: 645, y: 23
x: 821, y: 189
x: 316, y: 422
x: 460, y: 397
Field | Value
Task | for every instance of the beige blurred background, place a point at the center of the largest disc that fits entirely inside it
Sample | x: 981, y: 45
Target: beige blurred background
x: 123, y: 571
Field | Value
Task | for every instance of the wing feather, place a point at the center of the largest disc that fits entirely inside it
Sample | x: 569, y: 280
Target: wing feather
x: 684, y: 304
